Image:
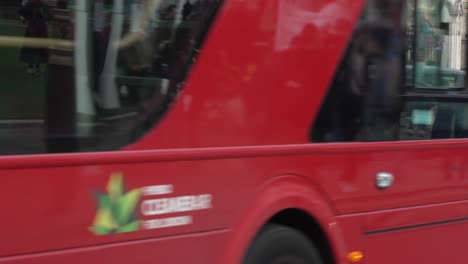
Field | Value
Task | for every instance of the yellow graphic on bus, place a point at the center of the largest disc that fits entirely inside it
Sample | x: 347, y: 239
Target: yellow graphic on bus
x: 116, y: 211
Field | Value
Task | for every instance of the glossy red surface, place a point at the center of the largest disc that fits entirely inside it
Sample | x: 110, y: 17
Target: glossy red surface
x: 239, y: 131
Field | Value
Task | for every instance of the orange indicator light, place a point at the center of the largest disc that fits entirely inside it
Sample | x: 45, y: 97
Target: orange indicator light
x: 354, y: 256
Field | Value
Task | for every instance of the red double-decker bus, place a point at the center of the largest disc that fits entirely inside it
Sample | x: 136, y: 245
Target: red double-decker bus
x: 232, y: 131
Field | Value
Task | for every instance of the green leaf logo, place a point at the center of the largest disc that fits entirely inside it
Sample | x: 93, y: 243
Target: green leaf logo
x: 116, y: 209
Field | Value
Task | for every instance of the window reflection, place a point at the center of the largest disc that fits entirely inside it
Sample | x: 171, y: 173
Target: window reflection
x: 439, y: 60
x: 367, y: 101
x: 364, y: 101
x: 93, y: 75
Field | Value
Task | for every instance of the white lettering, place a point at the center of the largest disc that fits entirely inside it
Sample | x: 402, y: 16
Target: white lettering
x: 167, y: 222
x: 176, y: 204
x: 205, y: 201
x: 158, y: 189
x: 184, y: 203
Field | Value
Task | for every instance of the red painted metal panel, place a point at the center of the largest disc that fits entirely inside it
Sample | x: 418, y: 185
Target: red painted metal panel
x: 241, y: 123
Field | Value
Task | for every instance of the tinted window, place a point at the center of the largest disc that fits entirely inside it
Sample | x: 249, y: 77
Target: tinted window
x: 92, y: 75
x: 402, y: 76
x: 364, y: 102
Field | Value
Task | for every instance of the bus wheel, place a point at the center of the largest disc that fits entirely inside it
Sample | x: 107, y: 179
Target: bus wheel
x: 279, y: 244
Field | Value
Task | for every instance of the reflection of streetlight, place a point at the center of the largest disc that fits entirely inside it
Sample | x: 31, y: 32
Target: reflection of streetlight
x: 84, y: 101
x: 109, y: 95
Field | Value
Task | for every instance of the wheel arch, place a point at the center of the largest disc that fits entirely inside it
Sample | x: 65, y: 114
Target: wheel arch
x: 294, y: 201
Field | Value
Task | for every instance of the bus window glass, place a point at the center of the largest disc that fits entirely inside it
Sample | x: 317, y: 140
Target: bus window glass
x: 437, y: 56
x: 93, y: 75
x: 436, y: 103
x: 364, y: 99
x: 402, y: 76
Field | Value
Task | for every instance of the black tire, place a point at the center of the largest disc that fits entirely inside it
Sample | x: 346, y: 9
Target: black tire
x: 278, y: 244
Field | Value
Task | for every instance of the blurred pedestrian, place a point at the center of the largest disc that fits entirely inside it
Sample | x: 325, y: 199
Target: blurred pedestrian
x: 35, y: 15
